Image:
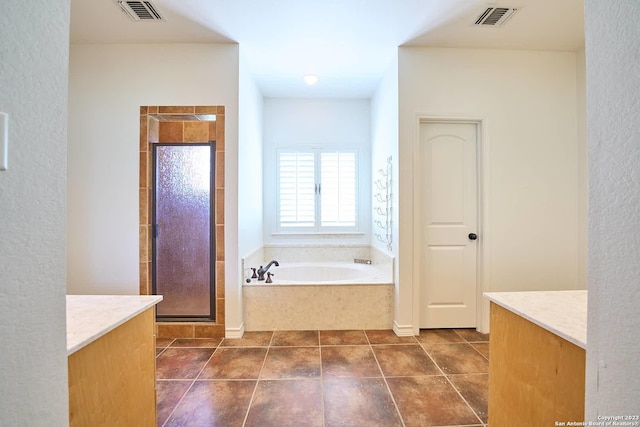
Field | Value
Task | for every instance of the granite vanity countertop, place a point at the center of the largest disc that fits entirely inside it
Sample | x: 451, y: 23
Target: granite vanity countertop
x: 91, y: 316
x: 563, y: 313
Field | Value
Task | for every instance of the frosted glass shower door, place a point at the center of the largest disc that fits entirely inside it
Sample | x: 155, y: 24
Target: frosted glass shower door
x: 182, y: 235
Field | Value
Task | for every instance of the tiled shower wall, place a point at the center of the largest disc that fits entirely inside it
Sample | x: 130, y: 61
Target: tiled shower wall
x: 187, y: 131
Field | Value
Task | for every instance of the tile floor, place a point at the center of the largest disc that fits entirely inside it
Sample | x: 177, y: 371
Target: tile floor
x: 325, y: 378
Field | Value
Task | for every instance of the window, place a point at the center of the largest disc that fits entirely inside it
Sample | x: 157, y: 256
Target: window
x: 317, y: 190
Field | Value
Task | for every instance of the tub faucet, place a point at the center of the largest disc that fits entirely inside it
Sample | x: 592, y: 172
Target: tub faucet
x: 262, y: 271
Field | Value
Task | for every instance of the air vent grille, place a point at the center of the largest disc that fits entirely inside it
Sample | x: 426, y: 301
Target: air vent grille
x: 495, y: 16
x: 141, y: 10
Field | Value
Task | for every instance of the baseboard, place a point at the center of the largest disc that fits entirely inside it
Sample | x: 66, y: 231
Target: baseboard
x: 403, y: 330
x: 234, y: 332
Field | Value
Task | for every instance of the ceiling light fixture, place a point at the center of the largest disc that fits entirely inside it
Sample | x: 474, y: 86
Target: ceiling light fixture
x: 311, y: 79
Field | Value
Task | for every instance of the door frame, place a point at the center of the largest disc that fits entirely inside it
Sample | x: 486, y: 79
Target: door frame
x: 482, y: 182
x: 213, y: 315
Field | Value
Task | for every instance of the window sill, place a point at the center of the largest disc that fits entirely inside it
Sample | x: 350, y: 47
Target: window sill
x: 326, y: 234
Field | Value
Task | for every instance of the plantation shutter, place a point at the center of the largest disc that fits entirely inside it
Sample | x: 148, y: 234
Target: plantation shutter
x: 296, y: 189
x: 338, y: 189
x: 317, y: 190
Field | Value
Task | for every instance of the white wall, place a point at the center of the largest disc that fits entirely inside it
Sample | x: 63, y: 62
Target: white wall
x: 583, y: 174
x: 384, y: 140
x: 528, y: 101
x: 33, y: 91
x: 613, y: 115
x: 384, y: 136
x: 107, y: 85
x: 250, y: 229
x: 305, y: 122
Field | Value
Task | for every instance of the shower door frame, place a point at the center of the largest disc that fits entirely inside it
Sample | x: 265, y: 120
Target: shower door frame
x: 212, y: 234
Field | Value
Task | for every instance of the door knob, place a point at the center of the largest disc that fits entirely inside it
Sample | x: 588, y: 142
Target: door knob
x: 473, y: 236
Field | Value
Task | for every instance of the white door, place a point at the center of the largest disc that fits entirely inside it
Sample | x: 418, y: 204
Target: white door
x: 448, y: 212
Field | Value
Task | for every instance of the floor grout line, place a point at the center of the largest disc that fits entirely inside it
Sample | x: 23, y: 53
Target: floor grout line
x: 193, y: 381
x: 465, y: 401
x: 453, y: 385
x: 178, y: 403
x: 255, y: 388
x: 474, y: 347
x: 450, y: 383
x: 324, y: 418
x: 386, y: 383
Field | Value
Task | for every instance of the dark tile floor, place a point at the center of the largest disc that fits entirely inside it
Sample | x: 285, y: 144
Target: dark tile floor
x: 325, y: 378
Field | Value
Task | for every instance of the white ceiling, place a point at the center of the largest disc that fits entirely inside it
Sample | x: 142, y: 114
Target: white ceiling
x: 347, y: 43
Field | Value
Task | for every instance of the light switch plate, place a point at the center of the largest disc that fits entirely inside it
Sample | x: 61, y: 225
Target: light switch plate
x: 4, y: 140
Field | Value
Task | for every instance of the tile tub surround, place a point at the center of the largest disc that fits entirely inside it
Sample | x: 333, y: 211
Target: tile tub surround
x: 563, y: 313
x: 321, y: 378
x: 290, y: 307
x: 311, y: 253
x: 90, y: 317
x: 326, y: 273
x: 315, y: 253
x: 175, y: 127
x: 306, y: 253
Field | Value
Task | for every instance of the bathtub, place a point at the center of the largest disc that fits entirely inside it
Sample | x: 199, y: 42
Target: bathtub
x: 327, y: 273
x: 320, y: 296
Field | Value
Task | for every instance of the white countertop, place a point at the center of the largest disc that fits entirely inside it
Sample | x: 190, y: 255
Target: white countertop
x: 563, y: 313
x: 91, y: 316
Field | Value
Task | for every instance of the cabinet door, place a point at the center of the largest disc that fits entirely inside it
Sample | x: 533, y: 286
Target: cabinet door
x: 112, y: 380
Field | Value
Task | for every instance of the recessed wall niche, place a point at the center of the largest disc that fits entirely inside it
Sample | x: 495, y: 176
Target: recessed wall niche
x: 182, y: 124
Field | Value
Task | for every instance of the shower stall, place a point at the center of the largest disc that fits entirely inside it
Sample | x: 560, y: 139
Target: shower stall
x: 183, y: 238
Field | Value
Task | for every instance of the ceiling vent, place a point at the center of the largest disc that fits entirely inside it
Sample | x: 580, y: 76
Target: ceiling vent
x: 495, y: 16
x: 141, y: 10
